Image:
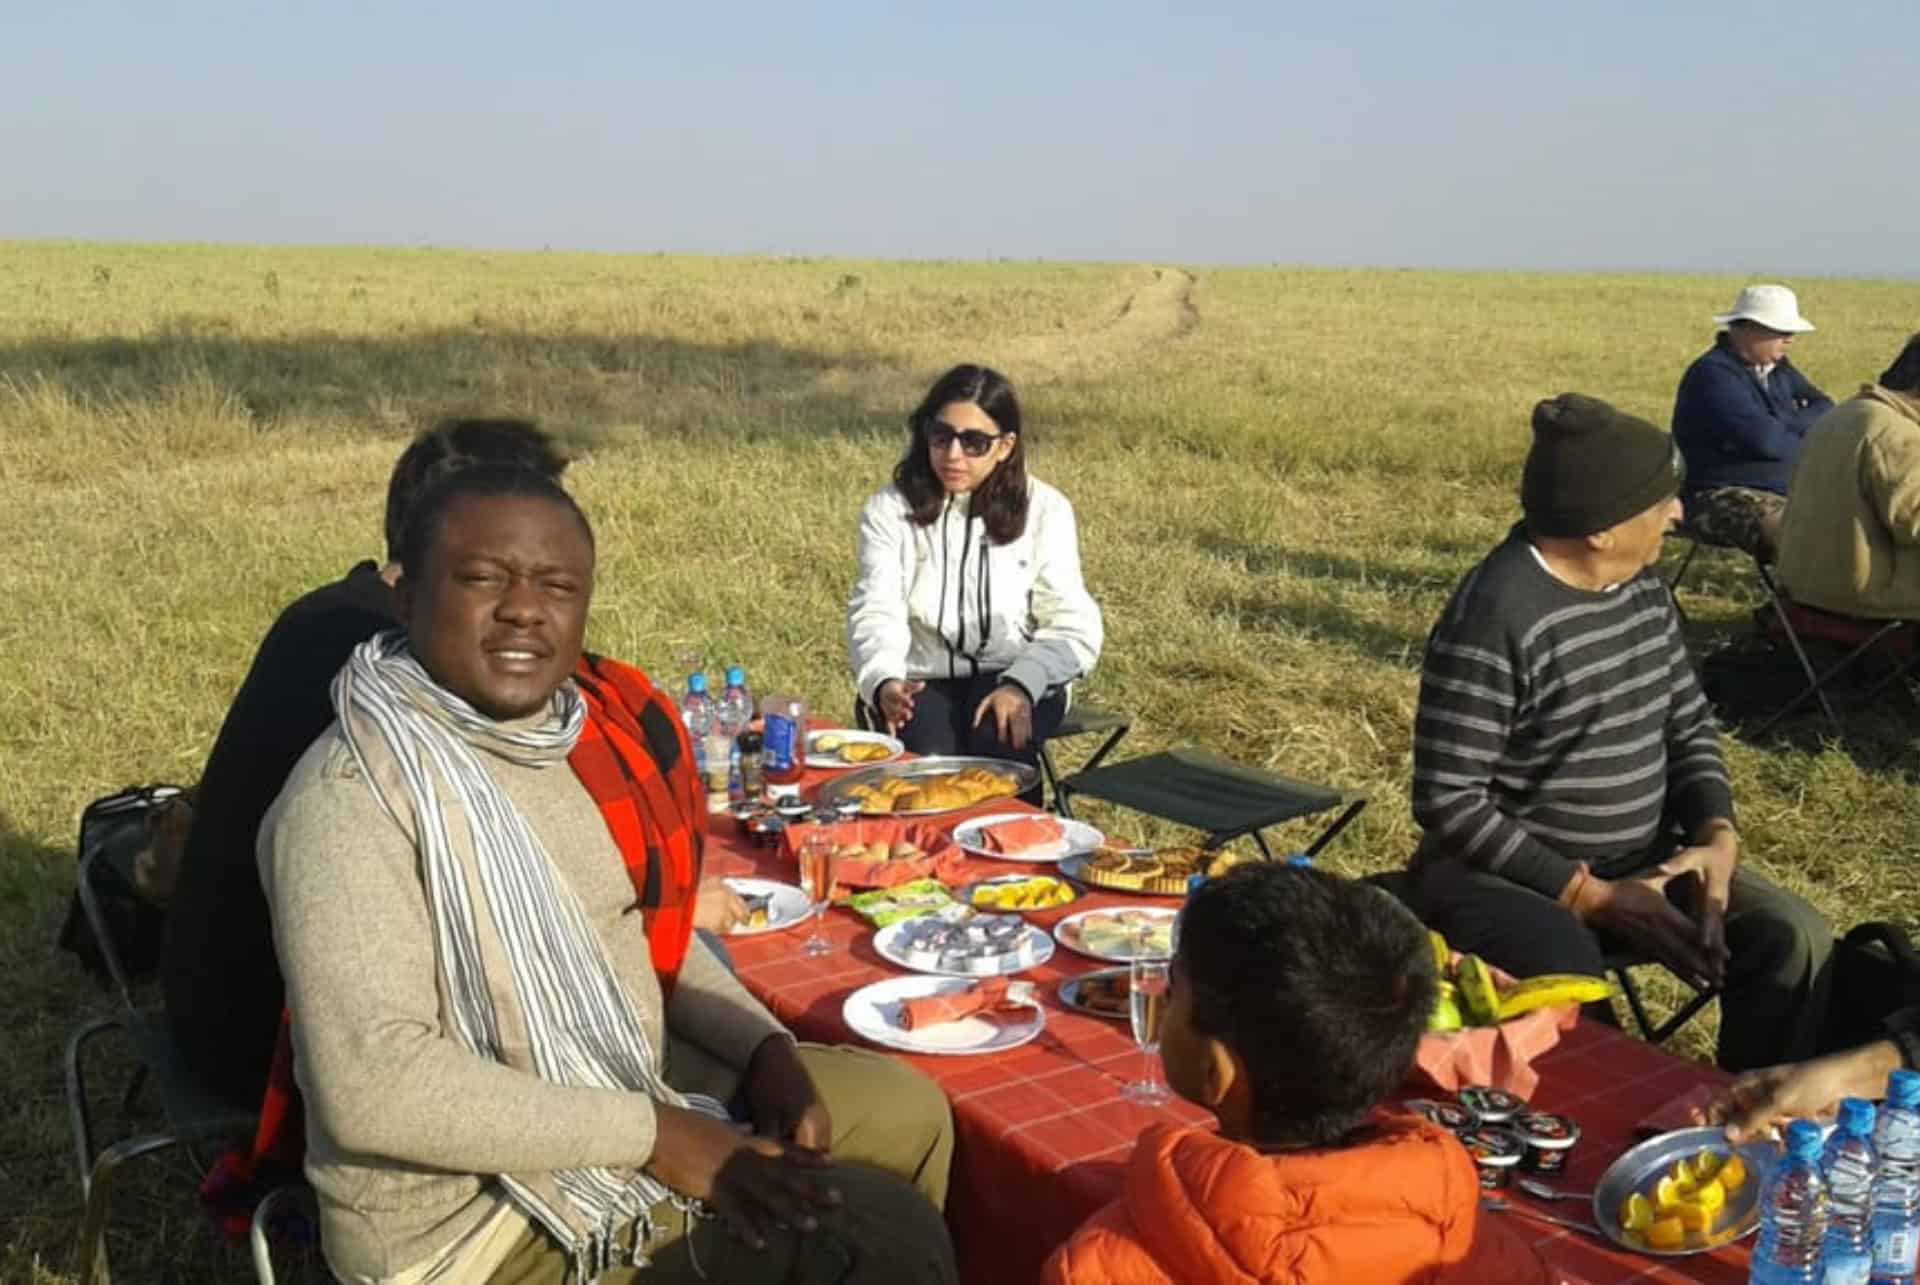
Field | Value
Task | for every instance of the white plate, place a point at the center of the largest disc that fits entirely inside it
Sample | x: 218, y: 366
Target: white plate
x: 787, y: 905
x: 874, y: 1014
x: 1081, y: 838
x: 1067, y: 932
x: 886, y: 942
x: 850, y: 736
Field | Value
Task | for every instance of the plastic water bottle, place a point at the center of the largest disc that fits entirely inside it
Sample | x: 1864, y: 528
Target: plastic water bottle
x: 1848, y: 1163
x: 1793, y: 1214
x: 731, y: 715
x: 696, y: 711
x: 1896, y: 1188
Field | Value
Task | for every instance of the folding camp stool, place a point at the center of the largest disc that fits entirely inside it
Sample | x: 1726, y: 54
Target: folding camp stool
x: 195, y: 1121
x: 1621, y: 962
x: 1079, y: 721
x: 1222, y: 799
x: 1866, y: 636
x: 1771, y: 590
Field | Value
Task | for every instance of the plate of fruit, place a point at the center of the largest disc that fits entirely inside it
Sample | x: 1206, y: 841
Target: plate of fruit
x: 1683, y: 1192
x: 1486, y: 1027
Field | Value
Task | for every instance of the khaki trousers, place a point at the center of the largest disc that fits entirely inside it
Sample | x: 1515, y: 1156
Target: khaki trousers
x: 892, y: 1145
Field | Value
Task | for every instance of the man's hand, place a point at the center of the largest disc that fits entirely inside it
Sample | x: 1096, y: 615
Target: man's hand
x: 755, y: 1184
x: 785, y: 1105
x: 895, y: 698
x: 1761, y: 1100
x: 1012, y: 714
x: 1712, y: 862
x: 718, y: 908
x: 1637, y: 911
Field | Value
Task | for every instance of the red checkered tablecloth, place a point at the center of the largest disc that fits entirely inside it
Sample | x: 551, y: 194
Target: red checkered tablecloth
x: 1043, y: 1133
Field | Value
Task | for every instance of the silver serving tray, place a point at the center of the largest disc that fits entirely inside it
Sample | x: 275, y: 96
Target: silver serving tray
x: 1025, y: 777
x: 1642, y: 1166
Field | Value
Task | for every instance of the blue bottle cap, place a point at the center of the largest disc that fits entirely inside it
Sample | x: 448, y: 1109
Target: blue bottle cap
x: 736, y: 676
x: 1903, y: 1089
x: 1803, y: 1140
x: 697, y: 684
x: 1856, y: 1116
x: 1299, y: 859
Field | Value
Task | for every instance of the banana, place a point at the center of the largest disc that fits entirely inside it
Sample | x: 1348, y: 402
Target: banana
x: 1446, y: 1010
x: 1479, y: 997
x: 1442, y: 954
x: 1549, y: 990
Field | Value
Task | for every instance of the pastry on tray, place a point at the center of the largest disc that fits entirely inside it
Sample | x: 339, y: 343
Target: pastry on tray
x: 1113, y: 868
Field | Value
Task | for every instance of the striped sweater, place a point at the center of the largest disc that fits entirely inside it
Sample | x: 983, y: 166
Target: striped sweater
x: 1559, y: 725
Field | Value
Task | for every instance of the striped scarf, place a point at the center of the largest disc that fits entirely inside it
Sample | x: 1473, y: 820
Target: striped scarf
x: 537, y: 978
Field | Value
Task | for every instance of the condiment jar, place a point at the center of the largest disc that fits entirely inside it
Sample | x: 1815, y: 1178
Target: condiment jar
x: 1450, y: 1116
x: 1549, y: 1140
x: 1496, y: 1154
x: 1493, y: 1106
x: 752, y: 778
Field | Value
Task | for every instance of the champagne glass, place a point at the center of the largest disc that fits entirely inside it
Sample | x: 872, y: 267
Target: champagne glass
x: 819, y: 864
x: 1147, y: 1004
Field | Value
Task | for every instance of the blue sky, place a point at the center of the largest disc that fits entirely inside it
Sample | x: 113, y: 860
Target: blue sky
x: 1763, y: 138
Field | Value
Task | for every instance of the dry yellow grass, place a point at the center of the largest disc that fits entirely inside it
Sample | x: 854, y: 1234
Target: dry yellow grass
x: 1280, y: 474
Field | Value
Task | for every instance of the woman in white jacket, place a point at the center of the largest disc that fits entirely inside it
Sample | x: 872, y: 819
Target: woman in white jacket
x: 969, y: 617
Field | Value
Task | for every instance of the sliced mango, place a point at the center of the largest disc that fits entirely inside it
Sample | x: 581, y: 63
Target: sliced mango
x: 1636, y: 1212
x: 1667, y: 1233
x: 1733, y: 1173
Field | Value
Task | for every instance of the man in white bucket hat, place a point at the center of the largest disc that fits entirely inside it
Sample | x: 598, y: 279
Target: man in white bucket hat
x: 1739, y: 418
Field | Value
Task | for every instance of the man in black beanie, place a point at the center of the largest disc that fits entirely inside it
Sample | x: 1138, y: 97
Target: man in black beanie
x: 1567, y: 770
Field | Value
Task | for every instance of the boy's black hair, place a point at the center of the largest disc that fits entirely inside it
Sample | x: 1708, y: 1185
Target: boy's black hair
x: 485, y: 481
x: 1321, y: 985
x: 464, y: 443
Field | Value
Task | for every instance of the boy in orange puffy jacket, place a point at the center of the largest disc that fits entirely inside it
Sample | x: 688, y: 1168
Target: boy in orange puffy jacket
x: 1297, y: 999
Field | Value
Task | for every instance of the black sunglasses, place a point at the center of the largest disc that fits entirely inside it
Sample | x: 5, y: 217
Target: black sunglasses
x: 973, y: 441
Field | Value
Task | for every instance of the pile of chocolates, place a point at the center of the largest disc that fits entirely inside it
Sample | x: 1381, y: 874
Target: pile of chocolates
x: 1501, y: 1134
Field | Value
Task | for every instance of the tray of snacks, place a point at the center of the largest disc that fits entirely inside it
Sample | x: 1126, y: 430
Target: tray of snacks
x: 964, y: 944
x: 1103, y: 993
x: 1119, y: 936
x: 1151, y: 872
x: 844, y: 747
x: 879, y: 852
x: 1683, y: 1192
x: 1023, y: 893
x: 925, y: 786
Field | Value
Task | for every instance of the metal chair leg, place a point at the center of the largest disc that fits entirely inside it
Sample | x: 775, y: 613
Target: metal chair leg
x: 79, y: 1109
x: 91, y: 1266
x: 257, y: 1233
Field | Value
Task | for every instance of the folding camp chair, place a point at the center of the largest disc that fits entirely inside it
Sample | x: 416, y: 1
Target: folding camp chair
x: 1222, y: 799
x: 1770, y: 589
x: 194, y: 1120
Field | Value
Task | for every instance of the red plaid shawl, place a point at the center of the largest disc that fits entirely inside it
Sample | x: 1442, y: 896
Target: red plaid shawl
x: 635, y: 761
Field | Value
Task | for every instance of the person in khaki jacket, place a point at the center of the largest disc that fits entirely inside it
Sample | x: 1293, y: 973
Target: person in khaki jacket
x: 1851, y: 540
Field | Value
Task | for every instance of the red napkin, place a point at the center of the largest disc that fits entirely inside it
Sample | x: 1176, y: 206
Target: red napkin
x: 949, y: 867
x: 1041, y: 835
x: 984, y: 996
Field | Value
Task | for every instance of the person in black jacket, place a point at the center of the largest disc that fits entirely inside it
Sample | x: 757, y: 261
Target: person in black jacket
x: 1739, y: 417
x: 219, y: 975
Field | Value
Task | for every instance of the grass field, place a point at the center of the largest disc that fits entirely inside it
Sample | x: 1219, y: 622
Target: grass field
x: 1279, y: 474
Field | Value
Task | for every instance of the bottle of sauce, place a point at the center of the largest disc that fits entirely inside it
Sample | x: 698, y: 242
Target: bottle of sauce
x: 783, y: 738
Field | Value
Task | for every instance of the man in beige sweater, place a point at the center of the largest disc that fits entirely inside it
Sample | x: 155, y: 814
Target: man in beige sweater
x: 494, y: 1074
x: 1851, y: 541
